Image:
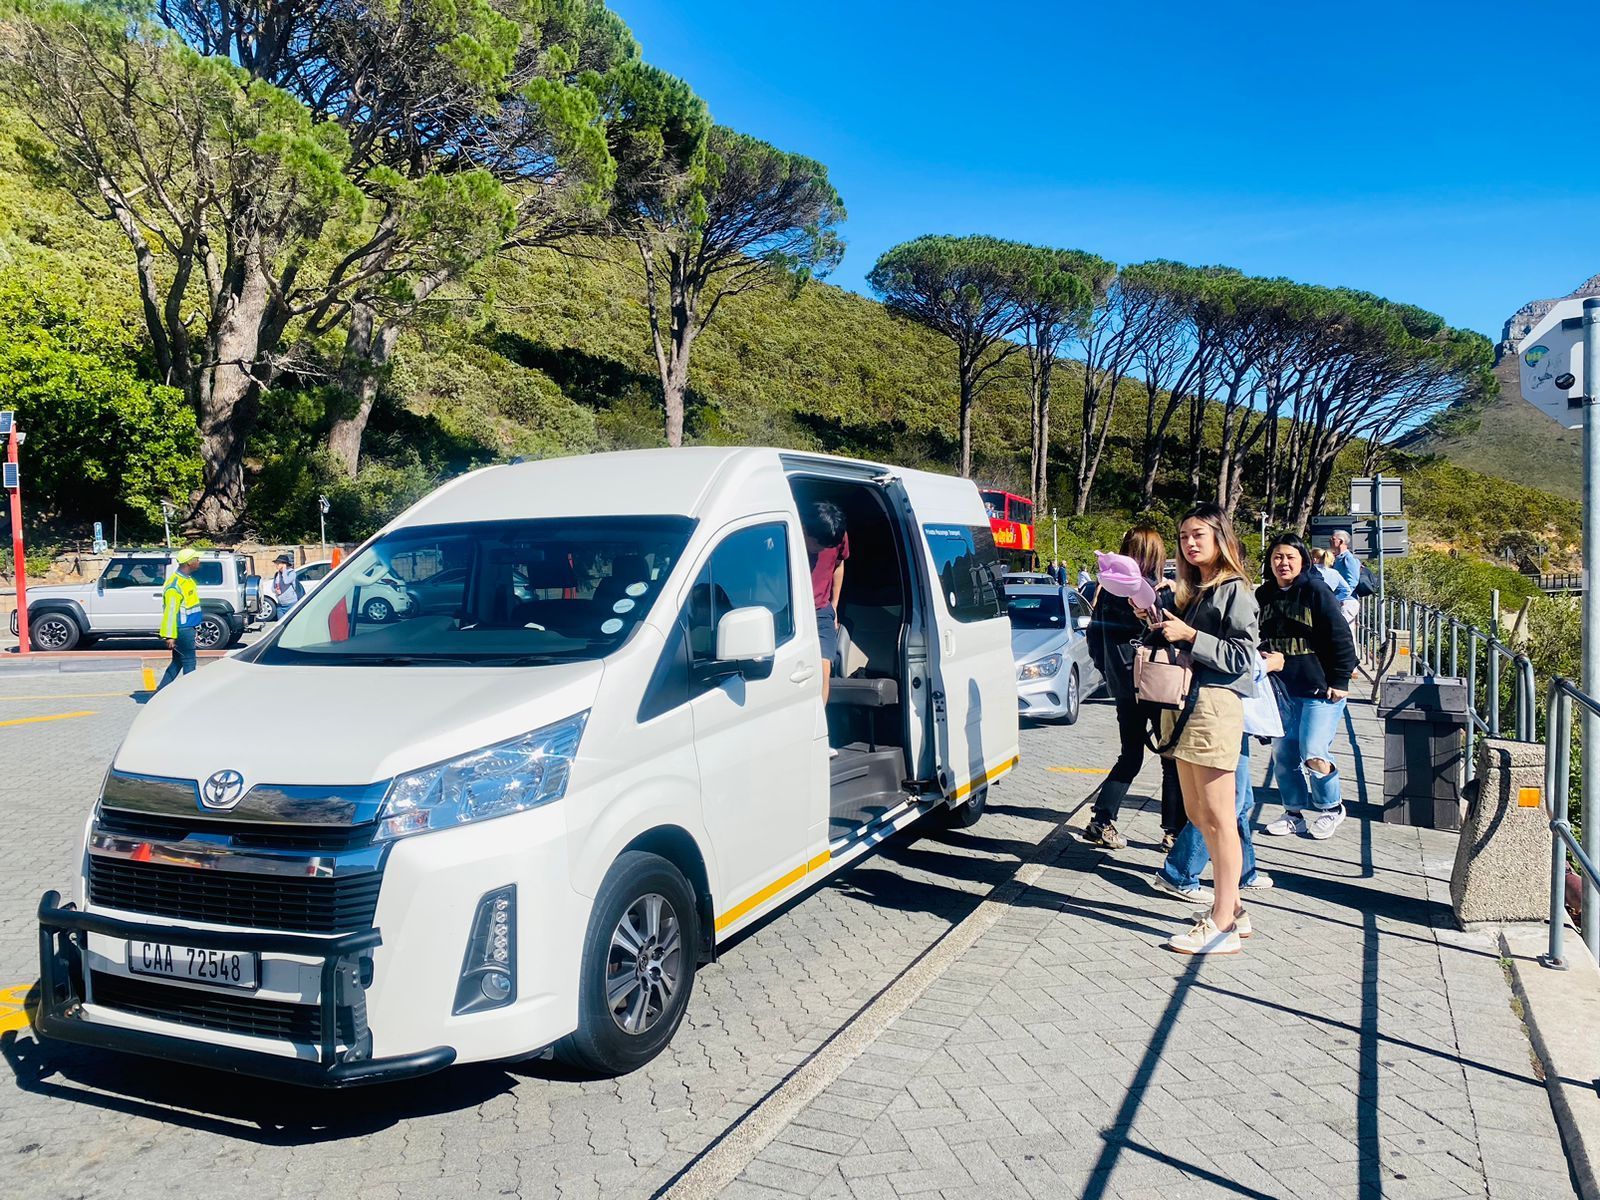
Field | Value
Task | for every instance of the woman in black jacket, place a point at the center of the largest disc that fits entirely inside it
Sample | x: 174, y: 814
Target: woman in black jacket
x: 1113, y: 629
x: 1308, y: 647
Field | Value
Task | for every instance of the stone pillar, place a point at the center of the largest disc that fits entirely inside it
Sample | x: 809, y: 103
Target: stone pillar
x: 1502, y: 870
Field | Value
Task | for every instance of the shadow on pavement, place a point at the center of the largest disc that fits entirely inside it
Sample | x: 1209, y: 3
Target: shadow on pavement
x: 251, y: 1110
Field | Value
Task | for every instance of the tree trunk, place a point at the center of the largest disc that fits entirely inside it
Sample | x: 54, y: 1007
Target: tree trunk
x: 1041, y: 468
x: 1091, y: 468
x: 968, y: 370
x: 366, y: 355
x: 1197, y: 428
x: 227, y: 399
x: 1270, y: 502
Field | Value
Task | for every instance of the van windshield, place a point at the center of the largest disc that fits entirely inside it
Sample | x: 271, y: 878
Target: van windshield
x: 495, y: 593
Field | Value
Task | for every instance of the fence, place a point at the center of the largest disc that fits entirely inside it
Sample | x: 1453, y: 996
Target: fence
x: 1557, y: 789
x: 1432, y: 642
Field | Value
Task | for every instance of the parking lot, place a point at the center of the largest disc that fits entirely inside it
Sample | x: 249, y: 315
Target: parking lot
x: 1358, y: 1047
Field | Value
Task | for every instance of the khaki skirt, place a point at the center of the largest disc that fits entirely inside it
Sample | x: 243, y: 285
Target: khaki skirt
x: 1214, y: 732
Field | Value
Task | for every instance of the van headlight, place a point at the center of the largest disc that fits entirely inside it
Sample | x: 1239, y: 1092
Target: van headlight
x: 1042, y: 668
x: 508, y: 777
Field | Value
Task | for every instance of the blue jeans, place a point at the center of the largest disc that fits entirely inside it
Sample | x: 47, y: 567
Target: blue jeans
x: 182, y: 658
x: 1189, y: 856
x: 1309, y: 726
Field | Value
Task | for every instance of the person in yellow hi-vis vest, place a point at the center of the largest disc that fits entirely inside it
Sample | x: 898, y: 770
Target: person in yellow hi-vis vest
x: 180, y: 615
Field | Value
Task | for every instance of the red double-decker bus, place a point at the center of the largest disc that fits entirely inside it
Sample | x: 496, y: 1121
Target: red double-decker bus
x: 1011, y: 520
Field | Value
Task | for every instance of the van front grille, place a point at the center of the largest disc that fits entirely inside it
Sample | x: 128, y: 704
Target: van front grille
x: 218, y: 1010
x: 296, y: 904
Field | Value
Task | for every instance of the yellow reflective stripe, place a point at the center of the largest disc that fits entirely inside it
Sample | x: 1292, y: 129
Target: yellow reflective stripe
x: 967, y: 788
x: 771, y: 890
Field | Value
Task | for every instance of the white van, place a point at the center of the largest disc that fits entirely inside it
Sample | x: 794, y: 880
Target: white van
x: 521, y: 819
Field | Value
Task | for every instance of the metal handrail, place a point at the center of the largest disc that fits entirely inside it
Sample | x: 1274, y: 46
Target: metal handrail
x: 1430, y: 629
x: 1559, y: 699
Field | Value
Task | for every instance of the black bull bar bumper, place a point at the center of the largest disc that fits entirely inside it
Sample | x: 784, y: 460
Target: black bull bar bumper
x: 63, y: 936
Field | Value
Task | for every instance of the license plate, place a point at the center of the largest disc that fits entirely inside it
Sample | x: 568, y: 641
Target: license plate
x: 219, y: 968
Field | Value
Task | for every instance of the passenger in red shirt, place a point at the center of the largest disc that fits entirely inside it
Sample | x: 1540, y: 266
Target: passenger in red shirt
x: 827, y: 546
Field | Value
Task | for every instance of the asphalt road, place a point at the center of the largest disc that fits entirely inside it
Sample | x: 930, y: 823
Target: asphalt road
x: 75, y: 1123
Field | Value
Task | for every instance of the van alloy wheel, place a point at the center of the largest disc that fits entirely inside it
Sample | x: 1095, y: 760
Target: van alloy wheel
x: 640, y: 952
x: 643, y: 967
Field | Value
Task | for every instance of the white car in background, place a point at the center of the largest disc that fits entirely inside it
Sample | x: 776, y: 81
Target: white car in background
x: 383, y: 597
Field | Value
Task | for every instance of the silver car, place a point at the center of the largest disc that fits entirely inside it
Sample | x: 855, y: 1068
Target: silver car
x: 1054, y: 669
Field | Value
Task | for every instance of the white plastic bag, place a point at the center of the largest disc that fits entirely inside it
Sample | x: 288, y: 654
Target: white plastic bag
x: 1261, y: 715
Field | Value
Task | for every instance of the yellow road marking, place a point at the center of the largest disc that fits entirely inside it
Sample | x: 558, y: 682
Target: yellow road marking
x: 13, y: 1007
x: 51, y: 717
x: 1081, y: 770
x: 69, y: 696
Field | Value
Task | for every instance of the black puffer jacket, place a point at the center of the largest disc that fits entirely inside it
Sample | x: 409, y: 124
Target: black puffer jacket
x: 1114, y: 629
x: 1303, y: 622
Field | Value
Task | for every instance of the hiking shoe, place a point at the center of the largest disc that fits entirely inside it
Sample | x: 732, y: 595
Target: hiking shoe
x: 1205, y: 938
x: 1104, y: 833
x: 1290, y: 822
x: 1195, y: 895
x: 1260, y: 881
x: 1323, y: 825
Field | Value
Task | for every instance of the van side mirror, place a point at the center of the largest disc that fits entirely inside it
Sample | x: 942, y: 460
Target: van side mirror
x: 746, y: 635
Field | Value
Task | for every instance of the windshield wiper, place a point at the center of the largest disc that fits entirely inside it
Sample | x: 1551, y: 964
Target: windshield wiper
x: 412, y: 660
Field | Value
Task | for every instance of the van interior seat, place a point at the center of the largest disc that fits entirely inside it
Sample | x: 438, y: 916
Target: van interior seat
x: 861, y: 692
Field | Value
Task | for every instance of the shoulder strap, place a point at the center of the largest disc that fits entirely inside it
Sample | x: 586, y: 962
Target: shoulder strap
x: 1177, y: 728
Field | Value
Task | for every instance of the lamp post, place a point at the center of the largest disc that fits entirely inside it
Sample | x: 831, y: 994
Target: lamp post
x: 19, y: 558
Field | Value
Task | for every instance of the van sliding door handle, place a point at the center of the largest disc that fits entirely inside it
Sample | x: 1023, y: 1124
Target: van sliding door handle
x: 801, y: 674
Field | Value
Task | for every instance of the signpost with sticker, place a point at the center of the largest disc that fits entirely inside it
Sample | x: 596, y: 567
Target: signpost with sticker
x: 1554, y: 360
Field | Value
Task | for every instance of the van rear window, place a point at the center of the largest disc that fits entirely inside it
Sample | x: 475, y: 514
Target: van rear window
x: 969, y: 570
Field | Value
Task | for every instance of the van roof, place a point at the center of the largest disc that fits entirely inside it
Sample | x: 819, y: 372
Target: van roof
x: 651, y: 482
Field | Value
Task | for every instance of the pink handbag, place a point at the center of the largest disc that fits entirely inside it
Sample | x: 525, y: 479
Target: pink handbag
x: 1163, y: 676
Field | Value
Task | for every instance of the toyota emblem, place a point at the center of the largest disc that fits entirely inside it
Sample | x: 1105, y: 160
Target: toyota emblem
x: 222, y: 790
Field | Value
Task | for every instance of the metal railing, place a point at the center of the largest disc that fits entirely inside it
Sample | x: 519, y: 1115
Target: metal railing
x: 1435, y: 643
x: 1557, y: 790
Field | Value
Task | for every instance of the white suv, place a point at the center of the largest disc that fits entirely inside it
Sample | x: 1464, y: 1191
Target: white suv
x: 125, y: 601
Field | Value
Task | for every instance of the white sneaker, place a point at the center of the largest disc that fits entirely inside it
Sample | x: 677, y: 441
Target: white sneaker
x: 1196, y: 895
x: 1260, y: 881
x: 1290, y: 822
x: 1205, y: 938
x: 833, y: 752
x: 1322, y: 828
x: 1241, y: 922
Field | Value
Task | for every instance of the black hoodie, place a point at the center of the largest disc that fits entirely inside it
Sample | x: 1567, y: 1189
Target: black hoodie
x: 1303, y: 622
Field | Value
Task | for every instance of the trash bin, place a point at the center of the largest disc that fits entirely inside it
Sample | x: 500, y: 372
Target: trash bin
x: 1425, y: 723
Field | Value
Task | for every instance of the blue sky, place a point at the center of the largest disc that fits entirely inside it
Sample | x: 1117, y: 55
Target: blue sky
x: 1417, y: 150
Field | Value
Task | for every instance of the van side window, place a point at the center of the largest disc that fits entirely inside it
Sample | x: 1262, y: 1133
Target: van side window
x: 747, y: 569
x: 969, y: 570
x: 209, y: 574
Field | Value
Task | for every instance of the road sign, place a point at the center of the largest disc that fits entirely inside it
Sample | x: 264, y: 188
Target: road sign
x: 8, y: 477
x: 1375, y: 497
x: 1396, y: 539
x: 1552, y: 356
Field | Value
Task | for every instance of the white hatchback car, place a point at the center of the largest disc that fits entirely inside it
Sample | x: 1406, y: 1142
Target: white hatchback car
x: 383, y: 597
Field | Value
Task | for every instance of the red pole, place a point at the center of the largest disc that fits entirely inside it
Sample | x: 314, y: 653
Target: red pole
x: 19, y: 558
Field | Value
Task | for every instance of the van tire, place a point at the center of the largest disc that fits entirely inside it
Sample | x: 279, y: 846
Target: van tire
x: 213, y: 632
x: 600, y: 1044
x: 966, y: 814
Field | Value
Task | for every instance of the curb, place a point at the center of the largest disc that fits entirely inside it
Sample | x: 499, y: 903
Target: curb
x: 71, y: 662
x: 1561, y: 1010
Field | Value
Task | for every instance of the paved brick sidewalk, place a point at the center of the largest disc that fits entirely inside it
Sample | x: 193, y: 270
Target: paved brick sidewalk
x: 1359, y: 1047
